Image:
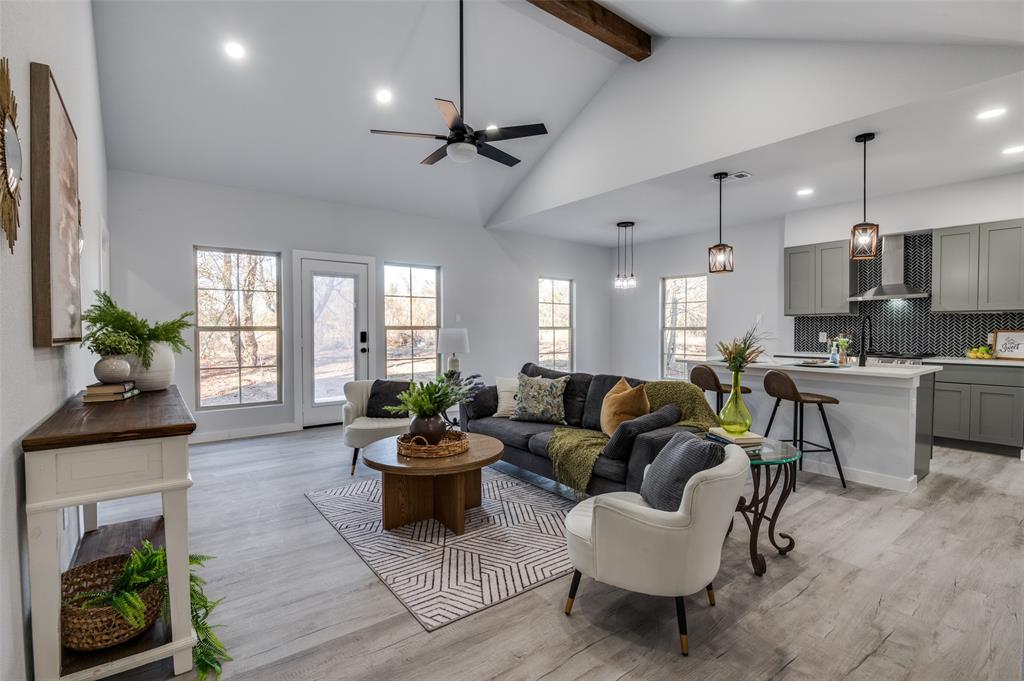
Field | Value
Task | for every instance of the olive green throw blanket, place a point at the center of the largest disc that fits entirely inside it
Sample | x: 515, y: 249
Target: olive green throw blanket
x: 573, y: 452
x: 688, y: 397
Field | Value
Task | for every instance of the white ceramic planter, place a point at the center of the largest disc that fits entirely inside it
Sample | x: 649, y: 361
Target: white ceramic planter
x: 113, y: 369
x: 160, y: 372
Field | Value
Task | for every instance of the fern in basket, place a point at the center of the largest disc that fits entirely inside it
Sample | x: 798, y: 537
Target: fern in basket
x: 147, y: 566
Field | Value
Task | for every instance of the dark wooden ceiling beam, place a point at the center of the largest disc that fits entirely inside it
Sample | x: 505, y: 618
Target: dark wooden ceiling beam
x: 601, y: 23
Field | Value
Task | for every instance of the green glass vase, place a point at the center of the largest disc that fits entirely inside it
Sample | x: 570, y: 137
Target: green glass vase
x: 735, y: 416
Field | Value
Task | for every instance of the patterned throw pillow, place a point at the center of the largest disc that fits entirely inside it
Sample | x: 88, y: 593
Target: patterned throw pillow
x: 540, y: 399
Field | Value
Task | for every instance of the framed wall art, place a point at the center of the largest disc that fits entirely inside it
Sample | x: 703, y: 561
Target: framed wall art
x: 56, y: 215
x: 1008, y: 343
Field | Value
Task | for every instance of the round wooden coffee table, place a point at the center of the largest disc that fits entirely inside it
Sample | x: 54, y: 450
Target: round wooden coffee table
x: 443, y: 488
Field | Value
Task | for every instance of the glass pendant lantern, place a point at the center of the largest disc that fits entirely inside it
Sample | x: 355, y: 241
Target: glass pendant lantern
x: 720, y: 255
x: 864, y: 235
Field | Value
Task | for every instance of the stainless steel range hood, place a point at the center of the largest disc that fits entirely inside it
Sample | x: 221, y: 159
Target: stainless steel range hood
x: 893, y: 287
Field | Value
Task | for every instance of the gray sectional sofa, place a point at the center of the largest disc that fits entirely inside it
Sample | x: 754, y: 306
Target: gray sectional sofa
x: 526, y: 443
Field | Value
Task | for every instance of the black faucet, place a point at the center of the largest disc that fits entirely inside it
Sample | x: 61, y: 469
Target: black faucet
x: 864, y: 342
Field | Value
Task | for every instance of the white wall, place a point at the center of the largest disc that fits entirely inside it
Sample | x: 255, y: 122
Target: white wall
x: 669, y: 111
x: 734, y: 300
x: 489, y: 277
x: 34, y: 382
x: 964, y: 203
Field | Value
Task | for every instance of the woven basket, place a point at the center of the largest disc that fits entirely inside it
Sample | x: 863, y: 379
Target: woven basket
x: 97, y: 628
x: 454, y: 442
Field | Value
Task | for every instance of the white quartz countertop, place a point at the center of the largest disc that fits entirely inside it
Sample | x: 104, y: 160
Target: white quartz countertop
x: 929, y: 360
x: 886, y: 371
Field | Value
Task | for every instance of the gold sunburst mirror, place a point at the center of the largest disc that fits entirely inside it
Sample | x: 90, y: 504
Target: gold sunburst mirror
x: 11, y: 159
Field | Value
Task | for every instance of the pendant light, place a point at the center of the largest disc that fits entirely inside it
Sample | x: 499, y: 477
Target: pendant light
x: 720, y: 255
x: 624, y: 256
x: 864, y: 235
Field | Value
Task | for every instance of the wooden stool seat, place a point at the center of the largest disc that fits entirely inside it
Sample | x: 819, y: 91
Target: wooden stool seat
x: 780, y: 385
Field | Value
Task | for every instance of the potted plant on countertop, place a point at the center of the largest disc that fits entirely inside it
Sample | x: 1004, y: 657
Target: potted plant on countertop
x: 737, y: 354
x: 152, y: 364
x: 428, y: 401
x: 114, y: 347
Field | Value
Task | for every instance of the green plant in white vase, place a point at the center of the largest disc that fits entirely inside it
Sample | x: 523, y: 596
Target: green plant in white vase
x: 114, y: 347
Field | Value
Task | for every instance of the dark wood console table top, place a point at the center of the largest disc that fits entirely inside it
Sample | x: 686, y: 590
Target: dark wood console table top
x: 160, y: 413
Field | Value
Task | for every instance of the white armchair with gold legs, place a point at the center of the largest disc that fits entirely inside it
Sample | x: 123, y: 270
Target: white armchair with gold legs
x: 361, y: 430
x: 617, y: 539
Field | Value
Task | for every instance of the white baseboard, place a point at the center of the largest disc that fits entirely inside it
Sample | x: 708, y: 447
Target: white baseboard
x: 239, y: 433
x: 861, y: 476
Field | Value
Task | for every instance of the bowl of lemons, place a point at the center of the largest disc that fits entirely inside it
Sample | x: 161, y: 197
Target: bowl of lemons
x: 980, y: 352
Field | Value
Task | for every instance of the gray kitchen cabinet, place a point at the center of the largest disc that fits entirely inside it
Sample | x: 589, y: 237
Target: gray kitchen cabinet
x: 955, y: 269
x: 818, y: 279
x: 997, y: 414
x: 799, y: 280
x: 952, y: 410
x: 1001, y: 266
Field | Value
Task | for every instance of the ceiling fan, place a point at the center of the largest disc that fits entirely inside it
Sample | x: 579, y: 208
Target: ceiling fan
x: 463, y: 143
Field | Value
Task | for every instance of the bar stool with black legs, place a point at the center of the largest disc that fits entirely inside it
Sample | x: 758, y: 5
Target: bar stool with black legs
x: 705, y: 378
x: 779, y: 385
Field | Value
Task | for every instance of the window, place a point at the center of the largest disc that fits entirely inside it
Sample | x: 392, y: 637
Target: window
x: 684, y: 323
x: 555, y: 322
x: 238, y: 327
x: 411, y: 314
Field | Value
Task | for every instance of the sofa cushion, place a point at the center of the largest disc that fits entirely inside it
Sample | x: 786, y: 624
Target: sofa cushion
x: 575, y: 396
x: 484, y: 403
x: 622, y: 403
x: 539, y: 443
x: 599, y: 387
x: 512, y: 433
x: 611, y: 469
x: 540, y: 399
x: 682, y: 458
x: 385, y: 394
x: 620, y: 446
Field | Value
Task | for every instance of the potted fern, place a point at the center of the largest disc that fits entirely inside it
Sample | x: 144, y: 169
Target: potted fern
x: 428, y: 401
x: 152, y: 364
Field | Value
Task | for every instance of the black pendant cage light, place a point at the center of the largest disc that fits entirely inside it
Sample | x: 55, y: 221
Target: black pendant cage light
x: 624, y: 256
x: 720, y: 255
x: 864, y: 235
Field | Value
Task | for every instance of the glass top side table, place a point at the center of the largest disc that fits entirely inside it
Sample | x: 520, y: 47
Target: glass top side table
x: 775, y: 462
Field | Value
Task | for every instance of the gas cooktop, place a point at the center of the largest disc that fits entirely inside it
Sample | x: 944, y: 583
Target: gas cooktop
x: 899, y: 355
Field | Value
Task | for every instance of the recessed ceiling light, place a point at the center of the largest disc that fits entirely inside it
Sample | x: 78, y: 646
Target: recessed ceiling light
x: 806, y: 191
x: 234, y: 50
x: 1014, y: 149
x: 384, y: 95
x: 990, y: 113
x: 492, y: 126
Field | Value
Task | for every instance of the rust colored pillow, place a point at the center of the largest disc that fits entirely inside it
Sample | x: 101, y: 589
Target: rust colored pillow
x: 622, y: 403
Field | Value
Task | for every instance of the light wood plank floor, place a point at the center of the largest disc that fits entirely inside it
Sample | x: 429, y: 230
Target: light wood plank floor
x: 881, y: 585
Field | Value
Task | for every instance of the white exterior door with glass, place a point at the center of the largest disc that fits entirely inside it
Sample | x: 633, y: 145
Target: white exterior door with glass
x: 335, y: 335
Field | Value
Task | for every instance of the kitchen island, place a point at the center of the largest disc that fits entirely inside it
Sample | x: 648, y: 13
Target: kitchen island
x: 882, y: 424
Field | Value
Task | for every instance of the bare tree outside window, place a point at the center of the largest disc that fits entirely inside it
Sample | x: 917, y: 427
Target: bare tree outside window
x: 684, y: 323
x: 411, y: 318
x: 238, y: 327
x: 555, y: 322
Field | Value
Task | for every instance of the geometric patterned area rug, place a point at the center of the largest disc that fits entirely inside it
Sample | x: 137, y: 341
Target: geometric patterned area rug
x: 513, y: 542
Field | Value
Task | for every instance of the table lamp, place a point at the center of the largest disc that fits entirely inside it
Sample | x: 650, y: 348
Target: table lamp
x: 451, y: 341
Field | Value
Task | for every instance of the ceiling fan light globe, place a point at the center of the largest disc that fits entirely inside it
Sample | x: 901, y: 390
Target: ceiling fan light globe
x: 462, y: 152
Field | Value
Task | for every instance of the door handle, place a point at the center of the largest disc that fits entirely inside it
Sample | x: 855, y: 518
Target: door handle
x: 363, y: 350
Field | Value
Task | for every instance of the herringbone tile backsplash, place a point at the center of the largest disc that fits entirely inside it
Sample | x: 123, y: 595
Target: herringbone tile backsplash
x: 906, y: 325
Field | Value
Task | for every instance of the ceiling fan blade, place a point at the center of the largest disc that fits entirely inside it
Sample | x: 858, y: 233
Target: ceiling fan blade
x: 450, y: 114
x: 422, y: 135
x: 438, y: 154
x: 496, y: 154
x: 512, y: 132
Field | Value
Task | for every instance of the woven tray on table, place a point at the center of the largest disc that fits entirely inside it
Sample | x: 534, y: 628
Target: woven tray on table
x: 454, y: 442
x: 103, y: 627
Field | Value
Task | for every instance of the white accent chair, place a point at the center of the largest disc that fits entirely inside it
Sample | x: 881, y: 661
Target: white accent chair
x: 361, y: 430
x: 616, y: 538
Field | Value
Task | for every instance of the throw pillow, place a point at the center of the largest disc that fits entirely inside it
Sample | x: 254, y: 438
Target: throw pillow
x: 508, y: 395
x: 483, y: 404
x: 385, y: 394
x: 621, y: 445
x: 540, y: 399
x: 684, y: 456
x: 600, y: 384
x: 622, y: 403
x: 575, y: 397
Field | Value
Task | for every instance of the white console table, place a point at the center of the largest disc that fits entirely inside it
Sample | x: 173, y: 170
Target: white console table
x: 86, y: 453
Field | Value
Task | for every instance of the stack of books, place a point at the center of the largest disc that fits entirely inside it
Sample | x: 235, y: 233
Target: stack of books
x: 748, y: 441
x: 110, y: 392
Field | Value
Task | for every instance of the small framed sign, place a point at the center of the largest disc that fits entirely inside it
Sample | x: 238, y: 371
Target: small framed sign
x: 1008, y: 343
